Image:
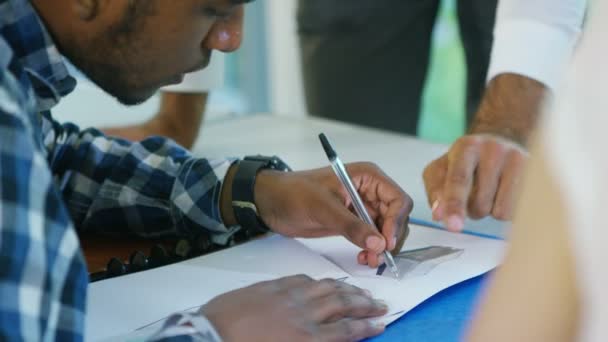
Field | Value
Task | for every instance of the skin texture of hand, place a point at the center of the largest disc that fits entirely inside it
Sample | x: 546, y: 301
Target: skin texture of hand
x: 179, y: 118
x: 296, y: 309
x: 315, y: 204
x: 478, y: 177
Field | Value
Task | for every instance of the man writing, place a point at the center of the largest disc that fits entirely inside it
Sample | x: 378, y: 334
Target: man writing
x: 57, y: 179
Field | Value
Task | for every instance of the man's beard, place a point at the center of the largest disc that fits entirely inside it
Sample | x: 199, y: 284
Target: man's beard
x: 111, y: 72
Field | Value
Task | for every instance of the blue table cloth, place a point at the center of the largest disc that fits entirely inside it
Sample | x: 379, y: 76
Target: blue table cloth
x: 443, y: 317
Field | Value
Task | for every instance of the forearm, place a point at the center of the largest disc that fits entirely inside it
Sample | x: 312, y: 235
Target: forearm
x: 152, y: 188
x: 179, y: 118
x: 510, y: 108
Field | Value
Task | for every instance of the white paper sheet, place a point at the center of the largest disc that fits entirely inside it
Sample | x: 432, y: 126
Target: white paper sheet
x: 120, y: 306
x: 473, y: 256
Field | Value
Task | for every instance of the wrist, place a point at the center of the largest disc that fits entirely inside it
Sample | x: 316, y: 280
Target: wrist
x: 226, y: 210
x: 264, y: 194
x: 251, y: 185
x: 510, y: 108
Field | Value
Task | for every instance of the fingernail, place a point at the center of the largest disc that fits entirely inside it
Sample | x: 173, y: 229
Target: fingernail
x: 434, y: 211
x: 378, y: 325
x: 455, y: 223
x: 374, y: 243
x: 393, y: 243
x: 380, y: 304
x: 435, y: 205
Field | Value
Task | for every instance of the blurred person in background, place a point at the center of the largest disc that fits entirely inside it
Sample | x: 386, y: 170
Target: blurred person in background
x: 366, y: 61
x: 552, y: 285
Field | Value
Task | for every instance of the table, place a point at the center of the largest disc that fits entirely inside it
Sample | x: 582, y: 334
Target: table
x: 296, y: 141
x: 443, y: 317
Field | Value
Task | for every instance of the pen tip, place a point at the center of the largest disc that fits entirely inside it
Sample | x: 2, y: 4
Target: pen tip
x: 331, y: 154
x: 396, y: 273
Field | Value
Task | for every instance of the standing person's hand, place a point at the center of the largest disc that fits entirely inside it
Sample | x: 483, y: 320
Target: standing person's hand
x: 296, y: 309
x: 478, y: 177
x: 315, y: 204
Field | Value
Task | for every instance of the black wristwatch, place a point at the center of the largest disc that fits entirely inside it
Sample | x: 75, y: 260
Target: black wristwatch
x: 243, y: 201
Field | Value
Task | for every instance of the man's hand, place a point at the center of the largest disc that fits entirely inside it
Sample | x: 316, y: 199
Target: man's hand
x: 478, y: 177
x: 296, y: 309
x: 315, y: 204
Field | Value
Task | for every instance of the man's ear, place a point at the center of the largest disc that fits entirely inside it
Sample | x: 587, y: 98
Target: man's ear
x: 86, y: 9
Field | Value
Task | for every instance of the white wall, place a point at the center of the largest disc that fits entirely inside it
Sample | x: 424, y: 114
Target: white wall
x: 285, y: 77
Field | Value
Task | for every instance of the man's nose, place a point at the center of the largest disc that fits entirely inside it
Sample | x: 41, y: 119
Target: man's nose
x: 227, y: 33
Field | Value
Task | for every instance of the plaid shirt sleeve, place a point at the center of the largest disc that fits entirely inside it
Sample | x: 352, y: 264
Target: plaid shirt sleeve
x: 152, y: 188
x: 43, y: 278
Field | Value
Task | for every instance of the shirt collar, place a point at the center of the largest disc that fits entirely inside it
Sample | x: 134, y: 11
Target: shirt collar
x: 35, y: 52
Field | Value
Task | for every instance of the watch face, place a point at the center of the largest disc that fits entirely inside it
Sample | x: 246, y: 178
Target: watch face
x: 278, y: 164
x: 274, y: 162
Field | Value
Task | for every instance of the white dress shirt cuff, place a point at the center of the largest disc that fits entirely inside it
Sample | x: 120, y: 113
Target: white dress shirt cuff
x: 202, y: 81
x: 531, y: 49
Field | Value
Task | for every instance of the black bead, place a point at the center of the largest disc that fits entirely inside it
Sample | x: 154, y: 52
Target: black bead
x: 158, y: 256
x: 182, y: 249
x: 138, y: 262
x: 202, y: 244
x: 115, y: 268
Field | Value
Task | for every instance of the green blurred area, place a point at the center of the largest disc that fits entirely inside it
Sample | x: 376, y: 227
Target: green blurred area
x: 443, y: 103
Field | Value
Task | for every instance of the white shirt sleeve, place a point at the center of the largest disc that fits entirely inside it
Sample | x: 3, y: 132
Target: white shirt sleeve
x: 536, y: 38
x: 212, y: 77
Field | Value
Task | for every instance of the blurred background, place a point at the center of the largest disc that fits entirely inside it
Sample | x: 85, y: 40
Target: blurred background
x: 264, y: 77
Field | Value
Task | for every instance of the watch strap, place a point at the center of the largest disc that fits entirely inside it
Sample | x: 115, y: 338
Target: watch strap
x: 243, y: 200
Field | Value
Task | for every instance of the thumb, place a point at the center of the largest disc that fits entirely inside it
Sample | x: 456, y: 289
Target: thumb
x: 358, y: 232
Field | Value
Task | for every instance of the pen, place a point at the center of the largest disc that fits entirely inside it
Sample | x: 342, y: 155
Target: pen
x: 340, y: 171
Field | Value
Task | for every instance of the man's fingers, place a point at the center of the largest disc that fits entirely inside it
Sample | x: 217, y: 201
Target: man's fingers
x: 340, y: 305
x: 434, y: 181
x: 293, y: 281
x: 508, y: 187
x: 326, y: 287
x: 355, y: 230
x: 387, y: 203
x: 405, y: 232
x: 374, y: 260
x: 487, y: 176
x: 462, y: 162
x: 350, y: 330
x: 394, y: 219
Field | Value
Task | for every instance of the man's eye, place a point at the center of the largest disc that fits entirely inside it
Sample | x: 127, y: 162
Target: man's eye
x: 215, y: 13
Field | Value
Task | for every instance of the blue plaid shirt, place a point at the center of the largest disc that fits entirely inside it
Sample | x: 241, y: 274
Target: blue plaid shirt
x: 56, y: 177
